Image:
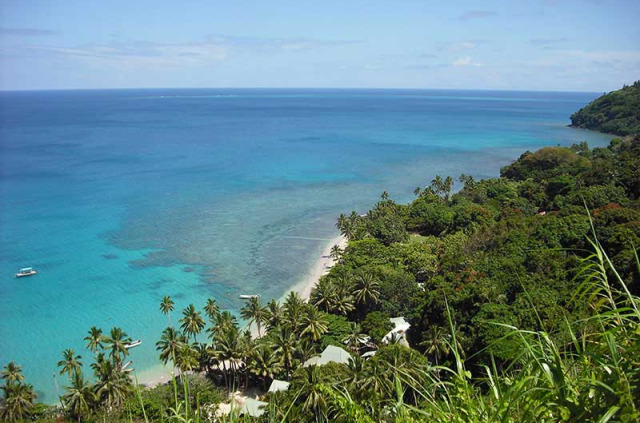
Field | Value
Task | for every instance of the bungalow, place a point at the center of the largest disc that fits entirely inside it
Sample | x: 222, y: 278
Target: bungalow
x: 278, y: 385
x: 253, y: 407
x: 398, y: 332
x: 331, y: 353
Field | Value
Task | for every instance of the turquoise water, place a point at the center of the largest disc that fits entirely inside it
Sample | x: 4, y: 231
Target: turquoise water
x: 120, y: 197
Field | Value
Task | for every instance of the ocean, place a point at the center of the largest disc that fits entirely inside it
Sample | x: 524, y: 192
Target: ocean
x: 119, y: 197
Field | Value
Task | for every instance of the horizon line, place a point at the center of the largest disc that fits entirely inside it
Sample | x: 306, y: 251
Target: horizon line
x: 298, y: 88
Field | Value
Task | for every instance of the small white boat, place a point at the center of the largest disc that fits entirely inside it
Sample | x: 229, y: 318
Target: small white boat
x: 26, y: 271
x: 133, y: 344
x: 247, y: 296
x: 129, y: 363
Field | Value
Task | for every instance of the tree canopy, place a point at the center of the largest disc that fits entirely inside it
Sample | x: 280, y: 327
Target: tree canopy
x: 617, y: 112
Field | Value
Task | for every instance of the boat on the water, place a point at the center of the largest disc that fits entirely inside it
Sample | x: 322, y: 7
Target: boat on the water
x: 125, y: 369
x: 26, y: 271
x: 248, y: 297
x: 133, y: 344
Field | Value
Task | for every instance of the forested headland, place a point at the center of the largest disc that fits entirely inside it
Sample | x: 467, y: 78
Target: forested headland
x: 521, y: 291
x: 617, y: 112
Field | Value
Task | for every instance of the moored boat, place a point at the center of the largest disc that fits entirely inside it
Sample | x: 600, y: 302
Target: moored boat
x: 248, y: 296
x: 133, y: 344
x: 26, y: 271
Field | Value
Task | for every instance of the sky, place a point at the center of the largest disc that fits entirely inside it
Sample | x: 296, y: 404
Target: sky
x: 554, y: 45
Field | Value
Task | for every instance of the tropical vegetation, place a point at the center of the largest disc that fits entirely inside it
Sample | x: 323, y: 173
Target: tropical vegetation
x: 617, y: 112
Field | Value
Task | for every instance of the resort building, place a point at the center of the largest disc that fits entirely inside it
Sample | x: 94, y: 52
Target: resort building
x: 278, y: 385
x: 398, y: 332
x: 331, y: 353
x: 253, y: 407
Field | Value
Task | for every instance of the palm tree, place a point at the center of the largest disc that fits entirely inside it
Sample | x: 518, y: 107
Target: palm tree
x: 305, y: 349
x: 263, y: 363
x: 117, y: 341
x: 335, y: 294
x: 273, y: 314
x: 166, y: 307
x: 448, y: 185
x: 253, y: 312
x: 186, y: 358
x: 246, y: 344
x: 224, y: 321
x: 192, y: 321
x: 211, y: 309
x: 204, y: 359
x: 356, y: 228
x: 99, y: 364
x: 323, y: 293
x: 437, y: 184
x: 315, y: 322
x: 79, y: 397
x: 367, y: 289
x: 436, y: 342
x: 17, y: 402
x: 70, y: 363
x: 113, y: 386
x: 356, y: 370
x: 169, y: 344
x: 336, y: 252
x: 311, y: 390
x: 342, y: 302
x: 355, y: 337
x: 293, y: 311
x: 229, y: 351
x: 11, y: 373
x: 342, y: 222
x: 285, y: 347
x: 94, y: 339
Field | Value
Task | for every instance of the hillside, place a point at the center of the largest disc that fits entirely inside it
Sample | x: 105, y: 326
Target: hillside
x: 616, y: 113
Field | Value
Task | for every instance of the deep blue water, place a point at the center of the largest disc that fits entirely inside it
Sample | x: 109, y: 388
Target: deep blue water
x: 120, y: 197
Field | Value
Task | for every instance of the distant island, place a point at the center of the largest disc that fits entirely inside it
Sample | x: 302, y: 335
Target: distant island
x: 617, y: 112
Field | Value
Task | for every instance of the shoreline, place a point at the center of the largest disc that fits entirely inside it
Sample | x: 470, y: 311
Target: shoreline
x: 320, y: 268
x: 161, y: 374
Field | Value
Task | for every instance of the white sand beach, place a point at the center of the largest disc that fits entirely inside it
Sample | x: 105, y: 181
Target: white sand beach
x: 320, y: 268
x: 161, y: 374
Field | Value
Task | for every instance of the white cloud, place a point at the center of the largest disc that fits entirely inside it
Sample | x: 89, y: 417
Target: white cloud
x: 466, y: 61
x: 463, y: 61
x: 131, y: 54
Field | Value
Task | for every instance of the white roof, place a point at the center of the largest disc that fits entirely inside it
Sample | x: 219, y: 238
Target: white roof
x: 398, y: 321
x: 401, y: 326
x: 331, y: 353
x: 278, y: 385
x: 253, y: 407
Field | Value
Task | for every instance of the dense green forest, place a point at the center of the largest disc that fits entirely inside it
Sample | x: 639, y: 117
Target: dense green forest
x: 521, y: 291
x: 616, y: 113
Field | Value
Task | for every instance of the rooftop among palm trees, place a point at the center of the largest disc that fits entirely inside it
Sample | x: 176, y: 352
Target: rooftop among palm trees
x: 330, y: 354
